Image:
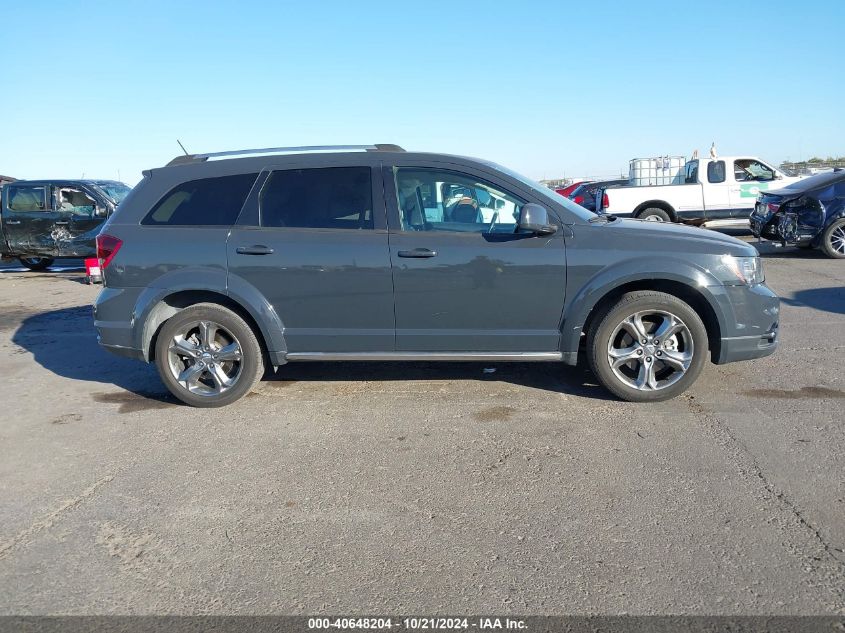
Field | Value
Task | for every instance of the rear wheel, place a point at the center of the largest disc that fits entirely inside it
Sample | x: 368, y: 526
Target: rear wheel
x: 649, y: 346
x: 36, y: 263
x: 208, y: 356
x: 833, y: 240
x: 654, y: 214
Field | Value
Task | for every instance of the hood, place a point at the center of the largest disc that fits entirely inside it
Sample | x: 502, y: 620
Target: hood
x: 669, y: 237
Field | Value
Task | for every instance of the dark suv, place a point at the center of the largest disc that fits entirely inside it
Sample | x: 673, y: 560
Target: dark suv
x: 215, y: 269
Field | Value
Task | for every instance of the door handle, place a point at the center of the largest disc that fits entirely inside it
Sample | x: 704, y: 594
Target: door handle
x: 257, y: 249
x: 13, y: 221
x: 62, y: 223
x: 418, y: 252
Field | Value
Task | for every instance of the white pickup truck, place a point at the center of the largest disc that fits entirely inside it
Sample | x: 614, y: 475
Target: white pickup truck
x: 722, y: 188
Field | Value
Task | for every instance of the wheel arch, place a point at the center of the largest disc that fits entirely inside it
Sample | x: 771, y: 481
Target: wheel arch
x: 595, y: 298
x: 656, y: 204
x: 270, y: 338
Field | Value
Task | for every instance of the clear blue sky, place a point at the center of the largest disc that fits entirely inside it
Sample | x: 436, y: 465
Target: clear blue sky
x: 547, y: 88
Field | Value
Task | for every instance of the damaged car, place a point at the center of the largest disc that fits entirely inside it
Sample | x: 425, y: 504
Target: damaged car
x: 809, y: 213
x: 43, y: 220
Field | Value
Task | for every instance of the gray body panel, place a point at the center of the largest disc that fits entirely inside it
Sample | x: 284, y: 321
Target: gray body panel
x: 346, y: 294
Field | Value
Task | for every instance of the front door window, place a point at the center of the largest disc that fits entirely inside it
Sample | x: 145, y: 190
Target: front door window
x: 433, y: 200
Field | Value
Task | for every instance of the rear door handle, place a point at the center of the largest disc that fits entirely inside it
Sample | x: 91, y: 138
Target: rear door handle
x: 418, y: 252
x: 62, y: 223
x: 13, y: 221
x: 257, y: 249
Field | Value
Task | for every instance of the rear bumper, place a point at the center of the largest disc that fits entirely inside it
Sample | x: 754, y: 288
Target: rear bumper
x: 116, y: 335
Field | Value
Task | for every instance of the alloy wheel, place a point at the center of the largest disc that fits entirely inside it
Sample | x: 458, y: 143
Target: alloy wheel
x: 837, y: 239
x: 650, y: 350
x: 205, y: 358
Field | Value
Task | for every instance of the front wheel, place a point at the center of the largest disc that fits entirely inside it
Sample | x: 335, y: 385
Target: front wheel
x: 208, y: 356
x: 650, y: 346
x: 36, y: 263
x: 833, y: 240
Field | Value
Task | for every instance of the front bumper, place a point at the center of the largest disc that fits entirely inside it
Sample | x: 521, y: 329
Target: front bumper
x: 752, y: 323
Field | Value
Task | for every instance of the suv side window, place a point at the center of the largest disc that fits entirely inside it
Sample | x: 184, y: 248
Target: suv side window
x: 716, y: 171
x: 204, y: 202
x: 434, y: 200
x: 318, y: 198
x: 27, y: 198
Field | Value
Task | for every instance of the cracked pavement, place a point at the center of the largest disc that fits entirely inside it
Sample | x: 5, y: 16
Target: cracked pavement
x: 421, y: 488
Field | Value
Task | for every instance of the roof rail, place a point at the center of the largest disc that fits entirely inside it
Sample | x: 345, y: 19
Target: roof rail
x: 198, y: 158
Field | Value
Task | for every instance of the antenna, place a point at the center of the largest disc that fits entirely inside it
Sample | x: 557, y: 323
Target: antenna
x: 182, y: 146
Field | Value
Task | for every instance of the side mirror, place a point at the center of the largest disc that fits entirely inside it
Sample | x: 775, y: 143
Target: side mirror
x: 534, y: 218
x: 500, y: 204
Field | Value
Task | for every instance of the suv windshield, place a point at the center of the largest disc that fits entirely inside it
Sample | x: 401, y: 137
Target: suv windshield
x: 117, y: 191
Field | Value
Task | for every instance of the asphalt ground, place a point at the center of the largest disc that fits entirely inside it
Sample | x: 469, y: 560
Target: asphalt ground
x: 421, y: 488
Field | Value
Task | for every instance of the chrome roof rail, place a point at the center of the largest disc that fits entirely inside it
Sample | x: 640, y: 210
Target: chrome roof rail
x: 196, y: 158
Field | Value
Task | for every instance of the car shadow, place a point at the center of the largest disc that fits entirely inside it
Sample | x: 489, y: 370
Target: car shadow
x: 830, y: 299
x: 65, y: 343
x: 769, y: 250
x: 553, y: 377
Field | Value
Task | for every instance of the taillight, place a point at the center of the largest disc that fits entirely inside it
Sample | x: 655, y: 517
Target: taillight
x: 605, y: 201
x: 773, y: 207
x: 107, y: 247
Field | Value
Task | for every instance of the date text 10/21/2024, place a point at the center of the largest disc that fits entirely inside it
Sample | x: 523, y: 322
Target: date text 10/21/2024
x: 417, y: 623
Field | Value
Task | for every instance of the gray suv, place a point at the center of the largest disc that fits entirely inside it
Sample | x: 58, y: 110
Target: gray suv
x: 218, y: 266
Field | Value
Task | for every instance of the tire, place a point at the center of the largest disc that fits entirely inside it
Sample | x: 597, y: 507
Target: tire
x: 654, y: 214
x: 833, y: 240
x: 208, y: 356
x: 36, y: 263
x: 646, y: 376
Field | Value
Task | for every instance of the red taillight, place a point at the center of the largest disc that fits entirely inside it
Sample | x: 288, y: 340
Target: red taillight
x: 773, y: 207
x: 107, y: 247
x: 605, y: 201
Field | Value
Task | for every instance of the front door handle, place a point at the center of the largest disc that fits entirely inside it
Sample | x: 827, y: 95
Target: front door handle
x: 65, y: 223
x: 418, y: 252
x: 13, y: 221
x: 257, y: 249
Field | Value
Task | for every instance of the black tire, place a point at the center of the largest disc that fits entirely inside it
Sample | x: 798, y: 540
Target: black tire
x: 233, y: 330
x: 605, y: 331
x: 832, y: 243
x: 654, y: 214
x: 36, y: 263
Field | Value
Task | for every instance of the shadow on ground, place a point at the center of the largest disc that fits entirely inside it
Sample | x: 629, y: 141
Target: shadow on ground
x: 830, y: 299
x: 554, y: 377
x: 64, y: 342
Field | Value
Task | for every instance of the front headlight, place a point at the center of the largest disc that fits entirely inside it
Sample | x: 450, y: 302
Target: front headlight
x: 749, y: 270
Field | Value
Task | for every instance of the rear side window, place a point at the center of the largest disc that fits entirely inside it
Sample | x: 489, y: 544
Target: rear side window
x: 27, y: 198
x: 716, y: 171
x: 324, y: 198
x: 205, y: 202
